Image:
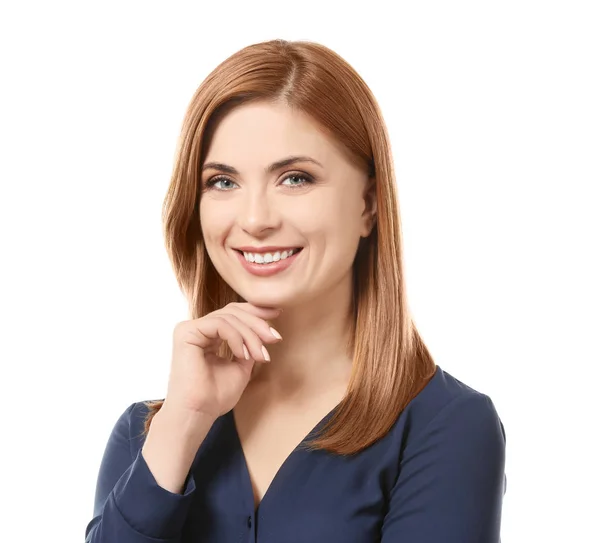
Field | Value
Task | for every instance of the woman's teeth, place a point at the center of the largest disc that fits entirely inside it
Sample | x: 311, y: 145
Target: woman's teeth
x: 267, y: 258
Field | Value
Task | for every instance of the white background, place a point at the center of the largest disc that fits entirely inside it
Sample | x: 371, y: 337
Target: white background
x: 493, y: 110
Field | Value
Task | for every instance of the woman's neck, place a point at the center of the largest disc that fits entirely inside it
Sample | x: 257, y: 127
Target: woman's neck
x: 313, y: 353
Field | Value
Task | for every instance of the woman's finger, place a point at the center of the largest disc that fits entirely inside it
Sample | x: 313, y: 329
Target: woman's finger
x: 211, y: 330
x: 251, y: 338
x: 260, y: 326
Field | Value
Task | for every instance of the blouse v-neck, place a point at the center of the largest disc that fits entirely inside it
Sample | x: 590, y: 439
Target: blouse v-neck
x: 292, y: 457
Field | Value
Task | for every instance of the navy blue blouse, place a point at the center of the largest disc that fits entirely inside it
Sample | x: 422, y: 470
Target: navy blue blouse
x: 436, y: 477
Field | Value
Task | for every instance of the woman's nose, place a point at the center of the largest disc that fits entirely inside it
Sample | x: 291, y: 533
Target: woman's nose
x: 258, y: 213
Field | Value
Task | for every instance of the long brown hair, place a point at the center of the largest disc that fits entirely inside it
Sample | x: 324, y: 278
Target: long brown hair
x: 391, y: 363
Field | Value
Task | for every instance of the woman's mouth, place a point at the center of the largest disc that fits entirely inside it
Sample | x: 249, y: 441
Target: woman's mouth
x: 268, y: 263
x: 268, y: 258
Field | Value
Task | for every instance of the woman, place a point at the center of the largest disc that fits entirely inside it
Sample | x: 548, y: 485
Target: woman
x: 282, y: 225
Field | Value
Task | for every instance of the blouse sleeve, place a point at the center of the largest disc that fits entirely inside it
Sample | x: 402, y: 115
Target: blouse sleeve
x: 451, y: 481
x: 129, y: 505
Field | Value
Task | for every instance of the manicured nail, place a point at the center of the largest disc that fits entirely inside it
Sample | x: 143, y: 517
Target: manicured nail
x: 246, y: 353
x: 266, y: 354
x: 275, y: 333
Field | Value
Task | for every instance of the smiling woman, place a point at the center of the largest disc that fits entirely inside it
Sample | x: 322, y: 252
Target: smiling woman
x: 282, y: 211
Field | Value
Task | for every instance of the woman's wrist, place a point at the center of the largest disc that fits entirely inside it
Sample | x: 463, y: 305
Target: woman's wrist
x: 187, y: 425
x: 171, y: 445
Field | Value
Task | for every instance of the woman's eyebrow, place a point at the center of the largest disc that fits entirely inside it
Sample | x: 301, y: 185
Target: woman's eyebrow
x: 269, y: 169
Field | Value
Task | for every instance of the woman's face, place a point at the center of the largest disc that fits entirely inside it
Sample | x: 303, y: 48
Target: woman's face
x: 280, y: 234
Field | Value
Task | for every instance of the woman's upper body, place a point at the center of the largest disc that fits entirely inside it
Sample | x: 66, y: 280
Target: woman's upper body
x: 282, y: 207
x: 437, y: 476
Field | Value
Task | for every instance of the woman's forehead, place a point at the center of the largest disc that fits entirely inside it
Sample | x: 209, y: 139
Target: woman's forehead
x: 264, y: 133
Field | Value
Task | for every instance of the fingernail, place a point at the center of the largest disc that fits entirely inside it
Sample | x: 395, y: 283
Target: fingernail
x: 275, y: 333
x: 266, y: 354
x: 246, y: 353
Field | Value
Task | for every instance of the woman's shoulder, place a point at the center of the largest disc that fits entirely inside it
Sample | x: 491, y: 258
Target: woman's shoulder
x: 131, y: 422
x: 444, y: 389
x: 449, y: 402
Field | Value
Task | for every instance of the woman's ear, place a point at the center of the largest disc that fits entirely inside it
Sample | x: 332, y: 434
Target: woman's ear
x: 369, y: 215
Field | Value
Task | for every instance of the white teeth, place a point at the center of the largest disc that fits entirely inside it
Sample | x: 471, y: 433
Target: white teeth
x: 267, y: 258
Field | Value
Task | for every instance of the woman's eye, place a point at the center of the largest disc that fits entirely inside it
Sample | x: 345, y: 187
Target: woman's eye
x: 297, y: 180
x: 220, y: 183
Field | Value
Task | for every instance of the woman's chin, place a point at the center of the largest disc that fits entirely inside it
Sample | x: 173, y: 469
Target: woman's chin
x: 275, y: 301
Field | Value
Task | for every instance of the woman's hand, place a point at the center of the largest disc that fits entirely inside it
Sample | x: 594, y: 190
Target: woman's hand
x: 200, y: 382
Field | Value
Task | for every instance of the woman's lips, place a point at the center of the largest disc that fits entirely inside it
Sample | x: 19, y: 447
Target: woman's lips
x: 264, y: 270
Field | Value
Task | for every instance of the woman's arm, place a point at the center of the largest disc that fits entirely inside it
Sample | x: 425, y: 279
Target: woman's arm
x: 130, y: 505
x: 451, y: 481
